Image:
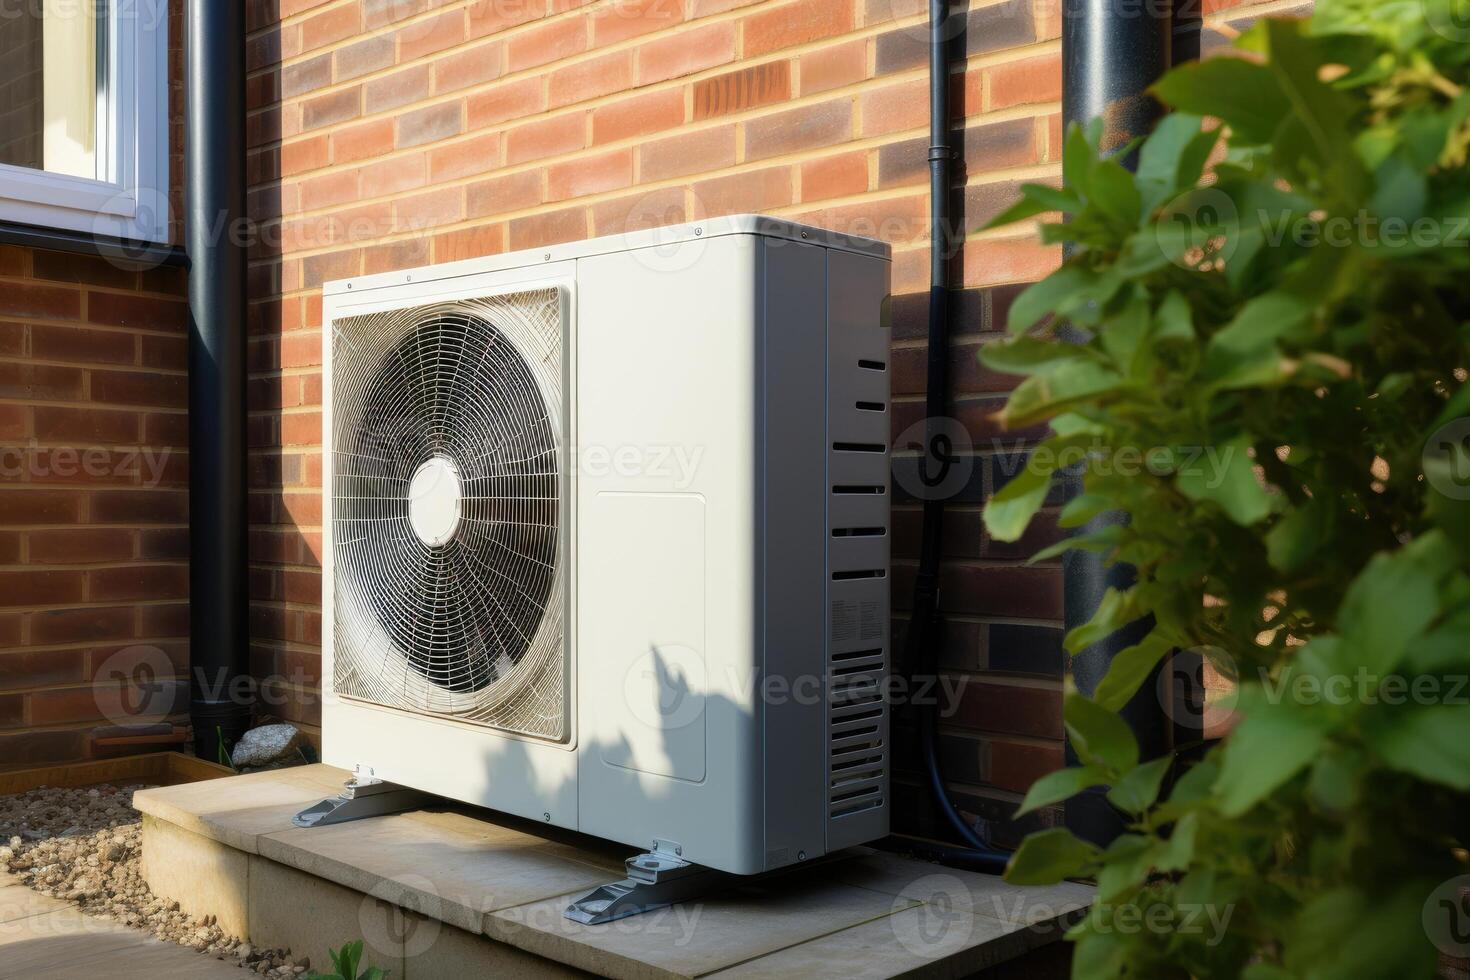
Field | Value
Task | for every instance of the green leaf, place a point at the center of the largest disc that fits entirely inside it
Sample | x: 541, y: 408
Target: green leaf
x: 1044, y: 395
x: 1125, y: 866
x: 1111, y: 189
x: 1172, y: 158
x: 1083, y: 508
x: 1321, y: 111
x: 1226, y: 476
x: 1270, y: 746
x: 1070, y: 424
x: 1129, y: 669
x: 1242, y: 94
x: 1444, y: 649
x: 1402, y: 190
x: 1104, y: 539
x: 1197, y: 782
x: 1027, y: 355
x: 1037, y: 199
x: 1099, y: 736
x: 1099, y: 955
x: 1049, y: 856
x: 1061, y: 785
x: 1427, y: 741
x: 1259, y: 325
x: 1179, y: 852
x: 1125, y: 337
x: 1078, y: 155
x: 1139, y: 787
x: 1298, y: 536
x: 1116, y: 609
x: 1062, y: 293
x: 1335, y: 778
x: 1261, y: 368
x: 1266, y: 971
x: 1174, y: 320
x: 1390, y: 603
x: 1009, y: 511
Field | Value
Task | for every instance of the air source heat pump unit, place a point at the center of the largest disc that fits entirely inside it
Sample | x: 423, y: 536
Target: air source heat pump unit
x: 606, y: 537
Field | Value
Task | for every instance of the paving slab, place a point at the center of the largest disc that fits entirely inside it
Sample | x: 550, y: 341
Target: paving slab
x: 236, y: 810
x: 922, y: 941
x: 970, y: 891
x: 444, y: 865
x: 45, y: 937
x: 702, y: 936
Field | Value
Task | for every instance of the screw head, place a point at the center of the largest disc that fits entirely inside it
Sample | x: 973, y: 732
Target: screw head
x: 547, y: 256
x: 801, y: 855
x: 546, y: 816
x: 698, y: 232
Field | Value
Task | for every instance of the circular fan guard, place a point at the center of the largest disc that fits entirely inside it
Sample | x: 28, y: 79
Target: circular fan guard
x: 467, y: 623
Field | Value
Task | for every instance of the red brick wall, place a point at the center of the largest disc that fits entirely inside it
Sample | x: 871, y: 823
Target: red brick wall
x: 93, y: 499
x: 387, y: 134
x: 93, y: 490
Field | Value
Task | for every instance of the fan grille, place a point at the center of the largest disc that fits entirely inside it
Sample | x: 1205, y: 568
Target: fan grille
x: 468, y: 623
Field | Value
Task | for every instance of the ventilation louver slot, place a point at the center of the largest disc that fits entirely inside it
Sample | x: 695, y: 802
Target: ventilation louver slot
x: 447, y: 499
x: 857, y: 723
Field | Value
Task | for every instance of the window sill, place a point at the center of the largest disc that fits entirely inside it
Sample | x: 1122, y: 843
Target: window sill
x: 126, y: 254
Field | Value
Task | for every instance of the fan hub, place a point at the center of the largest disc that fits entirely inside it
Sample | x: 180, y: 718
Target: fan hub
x: 434, y: 496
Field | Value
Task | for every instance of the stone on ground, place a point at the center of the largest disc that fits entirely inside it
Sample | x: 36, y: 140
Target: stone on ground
x: 266, y: 744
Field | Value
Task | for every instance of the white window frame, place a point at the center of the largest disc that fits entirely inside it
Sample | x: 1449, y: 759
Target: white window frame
x: 130, y: 198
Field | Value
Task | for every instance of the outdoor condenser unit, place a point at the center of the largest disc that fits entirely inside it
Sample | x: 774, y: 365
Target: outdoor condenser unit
x: 607, y: 538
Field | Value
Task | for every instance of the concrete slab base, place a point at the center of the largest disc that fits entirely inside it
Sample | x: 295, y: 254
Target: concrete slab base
x: 451, y: 892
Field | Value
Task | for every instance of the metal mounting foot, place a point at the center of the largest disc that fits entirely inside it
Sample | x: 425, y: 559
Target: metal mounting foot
x: 363, y: 795
x: 657, y: 879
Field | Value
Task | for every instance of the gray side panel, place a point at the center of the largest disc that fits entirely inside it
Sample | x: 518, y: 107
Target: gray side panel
x: 794, y: 370
x: 858, y: 538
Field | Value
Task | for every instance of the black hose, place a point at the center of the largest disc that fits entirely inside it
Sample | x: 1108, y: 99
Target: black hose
x: 989, y: 862
x: 921, y: 642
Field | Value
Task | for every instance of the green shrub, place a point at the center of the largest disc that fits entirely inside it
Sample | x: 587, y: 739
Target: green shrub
x: 1270, y: 382
x: 346, y: 964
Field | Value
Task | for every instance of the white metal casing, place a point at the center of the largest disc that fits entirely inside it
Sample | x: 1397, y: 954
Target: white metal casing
x: 726, y: 529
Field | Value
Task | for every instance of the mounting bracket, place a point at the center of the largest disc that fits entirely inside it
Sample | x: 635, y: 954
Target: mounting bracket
x: 655, y: 880
x: 364, y: 795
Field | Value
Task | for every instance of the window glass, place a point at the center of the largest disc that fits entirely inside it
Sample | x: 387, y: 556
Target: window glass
x: 50, y: 56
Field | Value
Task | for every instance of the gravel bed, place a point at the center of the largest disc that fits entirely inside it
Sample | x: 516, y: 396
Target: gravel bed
x: 84, y: 846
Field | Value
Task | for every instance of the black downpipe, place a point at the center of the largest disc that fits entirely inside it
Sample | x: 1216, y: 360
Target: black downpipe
x: 214, y: 201
x: 1111, y: 54
x: 922, y: 641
